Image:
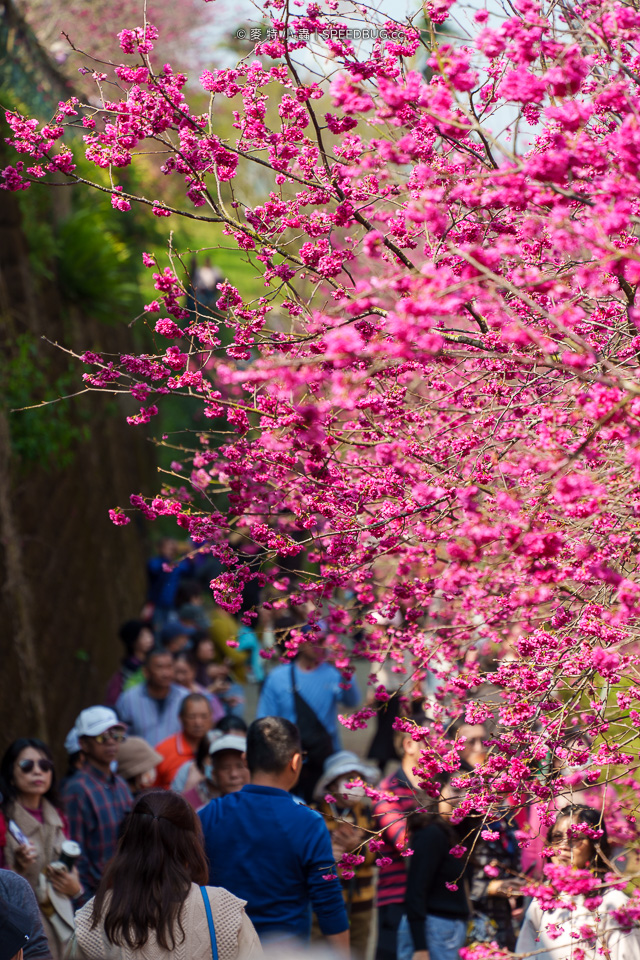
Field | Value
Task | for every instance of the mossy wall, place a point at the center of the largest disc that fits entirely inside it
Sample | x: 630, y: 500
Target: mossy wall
x: 68, y: 577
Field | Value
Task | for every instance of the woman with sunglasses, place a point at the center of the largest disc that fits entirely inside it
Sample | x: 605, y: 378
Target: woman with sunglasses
x: 576, y: 927
x: 153, y: 902
x: 34, y: 832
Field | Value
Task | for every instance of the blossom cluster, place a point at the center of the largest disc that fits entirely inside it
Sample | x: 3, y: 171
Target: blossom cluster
x: 434, y: 407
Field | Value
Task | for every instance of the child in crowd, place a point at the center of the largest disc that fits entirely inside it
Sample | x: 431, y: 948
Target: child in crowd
x: 348, y: 816
x: 213, y: 770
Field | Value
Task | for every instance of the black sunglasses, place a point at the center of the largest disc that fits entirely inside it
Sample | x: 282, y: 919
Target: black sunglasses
x: 27, y: 765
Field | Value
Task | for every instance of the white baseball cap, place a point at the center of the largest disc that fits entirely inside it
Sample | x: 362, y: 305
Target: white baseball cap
x: 71, y: 744
x: 95, y: 720
x: 230, y: 741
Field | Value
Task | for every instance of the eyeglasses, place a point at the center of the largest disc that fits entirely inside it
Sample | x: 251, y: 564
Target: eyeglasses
x: 45, y: 766
x: 571, y: 842
x: 118, y: 736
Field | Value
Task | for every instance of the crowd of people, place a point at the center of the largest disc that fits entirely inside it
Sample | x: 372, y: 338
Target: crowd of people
x: 181, y: 829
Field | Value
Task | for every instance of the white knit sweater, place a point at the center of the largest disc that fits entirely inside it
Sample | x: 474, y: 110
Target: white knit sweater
x: 559, y: 935
x: 236, y: 937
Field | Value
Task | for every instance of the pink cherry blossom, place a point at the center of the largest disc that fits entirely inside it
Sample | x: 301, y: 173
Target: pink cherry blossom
x: 431, y: 404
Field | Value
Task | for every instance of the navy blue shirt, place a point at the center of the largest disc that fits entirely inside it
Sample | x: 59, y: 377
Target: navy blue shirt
x: 268, y: 849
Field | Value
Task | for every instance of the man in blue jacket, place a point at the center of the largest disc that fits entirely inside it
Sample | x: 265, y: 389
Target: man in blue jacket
x: 270, y: 850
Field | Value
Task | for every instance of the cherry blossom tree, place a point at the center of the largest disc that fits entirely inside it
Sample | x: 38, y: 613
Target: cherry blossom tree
x: 432, y: 415
x: 89, y: 25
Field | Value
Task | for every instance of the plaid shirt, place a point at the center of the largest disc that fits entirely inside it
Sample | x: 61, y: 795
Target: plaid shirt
x: 95, y: 804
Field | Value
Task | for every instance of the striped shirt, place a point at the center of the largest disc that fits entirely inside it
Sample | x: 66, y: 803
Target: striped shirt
x: 390, y: 816
x: 153, y: 720
x: 319, y: 687
x: 95, y: 804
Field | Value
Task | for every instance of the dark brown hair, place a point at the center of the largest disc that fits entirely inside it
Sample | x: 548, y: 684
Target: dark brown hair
x: 192, y: 698
x: 160, y: 854
x: 420, y: 819
x: 399, y: 736
x: 580, y: 813
x: 271, y: 743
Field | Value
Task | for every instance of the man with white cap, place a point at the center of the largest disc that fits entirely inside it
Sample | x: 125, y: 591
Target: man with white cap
x: 95, y: 799
x: 228, y: 763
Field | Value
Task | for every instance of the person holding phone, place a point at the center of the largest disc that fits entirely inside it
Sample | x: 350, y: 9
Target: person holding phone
x: 35, y: 831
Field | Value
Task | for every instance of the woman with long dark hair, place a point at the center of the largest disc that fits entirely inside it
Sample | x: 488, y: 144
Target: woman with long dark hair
x: 152, y: 902
x: 35, y: 831
x: 579, y: 841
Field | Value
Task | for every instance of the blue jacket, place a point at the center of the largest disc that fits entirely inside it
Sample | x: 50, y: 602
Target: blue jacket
x: 268, y: 849
x: 163, y: 585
